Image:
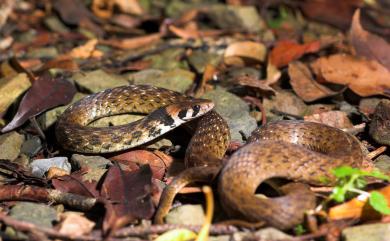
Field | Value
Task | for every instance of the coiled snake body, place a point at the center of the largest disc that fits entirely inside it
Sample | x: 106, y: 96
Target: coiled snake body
x: 300, y: 151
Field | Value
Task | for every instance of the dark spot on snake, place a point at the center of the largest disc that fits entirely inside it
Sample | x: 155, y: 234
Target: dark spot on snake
x: 136, y: 134
x: 95, y: 140
x: 162, y: 116
x: 182, y: 114
x: 116, y: 139
x: 196, y: 109
x: 106, y: 146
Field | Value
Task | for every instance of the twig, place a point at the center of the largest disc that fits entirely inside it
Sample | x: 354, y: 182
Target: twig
x: 376, y: 152
x: 40, y: 194
x: 257, y: 103
x: 216, y: 229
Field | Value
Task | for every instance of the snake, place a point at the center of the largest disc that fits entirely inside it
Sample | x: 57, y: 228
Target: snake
x: 303, y: 152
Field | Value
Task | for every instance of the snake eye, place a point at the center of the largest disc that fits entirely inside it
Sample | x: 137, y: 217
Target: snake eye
x: 196, y: 108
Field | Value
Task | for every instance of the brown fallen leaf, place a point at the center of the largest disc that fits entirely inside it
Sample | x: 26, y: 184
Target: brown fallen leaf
x: 158, y: 161
x: 367, y: 44
x: 45, y: 93
x: 304, y: 85
x: 61, y: 62
x: 128, y: 196
x: 334, y: 12
x: 358, y: 208
x: 87, y: 50
x: 133, y: 43
x: 255, y: 83
x: 364, y: 77
x: 74, y: 224
x: 338, y: 119
x: 75, y: 183
x: 286, y: 51
x: 246, y: 52
x: 105, y: 8
x: 190, y: 31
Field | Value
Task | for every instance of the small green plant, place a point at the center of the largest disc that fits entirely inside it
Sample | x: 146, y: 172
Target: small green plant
x: 352, y: 180
x: 299, y: 229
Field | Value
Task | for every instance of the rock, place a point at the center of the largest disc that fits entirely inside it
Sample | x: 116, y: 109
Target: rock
x: 382, y: 162
x: 284, y: 102
x: 367, y: 105
x: 236, y: 17
x: 177, y: 79
x: 168, y: 60
x: 186, y: 214
x: 11, y: 88
x: 48, y: 118
x: 372, y: 232
x: 234, y: 110
x: 40, y: 166
x: 379, y: 127
x: 97, y: 80
x: 38, y: 53
x: 199, y: 59
x: 41, y: 215
x: 10, y: 144
x: 262, y: 234
x: 32, y: 146
x: 96, y: 166
x: 55, y: 25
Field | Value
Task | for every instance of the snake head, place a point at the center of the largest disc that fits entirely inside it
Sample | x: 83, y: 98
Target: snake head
x: 188, y: 110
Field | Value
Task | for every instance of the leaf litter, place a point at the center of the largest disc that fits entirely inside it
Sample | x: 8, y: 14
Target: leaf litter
x: 321, y: 61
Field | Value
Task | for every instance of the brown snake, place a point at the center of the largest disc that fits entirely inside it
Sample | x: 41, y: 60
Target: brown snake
x: 296, y: 150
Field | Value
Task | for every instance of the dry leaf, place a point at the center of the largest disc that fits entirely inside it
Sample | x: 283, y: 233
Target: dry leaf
x: 240, y: 53
x: 131, y: 192
x: 133, y: 43
x: 158, y: 161
x: 105, y: 8
x: 88, y: 50
x: 364, y: 77
x: 286, y: 51
x: 338, y: 119
x: 367, y: 44
x: 190, y: 31
x: 75, y: 224
x: 304, y: 85
x: 45, y: 93
x: 358, y: 207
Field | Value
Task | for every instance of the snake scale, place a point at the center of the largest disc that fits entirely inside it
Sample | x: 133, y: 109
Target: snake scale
x: 300, y: 151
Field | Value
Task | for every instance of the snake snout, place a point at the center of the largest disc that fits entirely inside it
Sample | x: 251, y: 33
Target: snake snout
x: 186, y: 111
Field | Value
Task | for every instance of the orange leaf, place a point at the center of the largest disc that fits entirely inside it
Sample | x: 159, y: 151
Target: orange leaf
x: 286, y: 51
x: 358, y: 208
x: 364, y: 77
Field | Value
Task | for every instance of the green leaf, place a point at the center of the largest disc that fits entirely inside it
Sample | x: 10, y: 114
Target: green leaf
x: 177, y: 235
x: 378, y: 174
x: 338, y: 194
x: 345, y: 171
x: 379, y: 202
x: 299, y: 229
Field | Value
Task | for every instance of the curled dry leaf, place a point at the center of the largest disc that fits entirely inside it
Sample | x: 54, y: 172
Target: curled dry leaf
x: 133, y: 43
x: 45, y: 93
x: 304, y: 85
x: 86, y: 51
x: 158, y: 161
x: 256, y: 83
x: 338, y: 119
x: 286, y: 51
x: 364, y: 77
x: 105, y: 8
x: 240, y: 53
x: 367, y: 44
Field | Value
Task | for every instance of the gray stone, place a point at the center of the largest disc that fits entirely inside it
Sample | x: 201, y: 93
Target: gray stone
x: 236, y: 17
x: 40, y: 166
x: 234, y: 110
x: 199, y: 60
x: 41, y: 215
x: 97, y: 80
x: 186, y: 214
x: 382, y: 162
x: 285, y: 102
x: 168, y: 60
x: 32, y: 146
x: 48, y: 52
x: 10, y: 144
x: 371, y: 232
x: 96, y: 166
x: 177, y: 79
x: 55, y: 25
